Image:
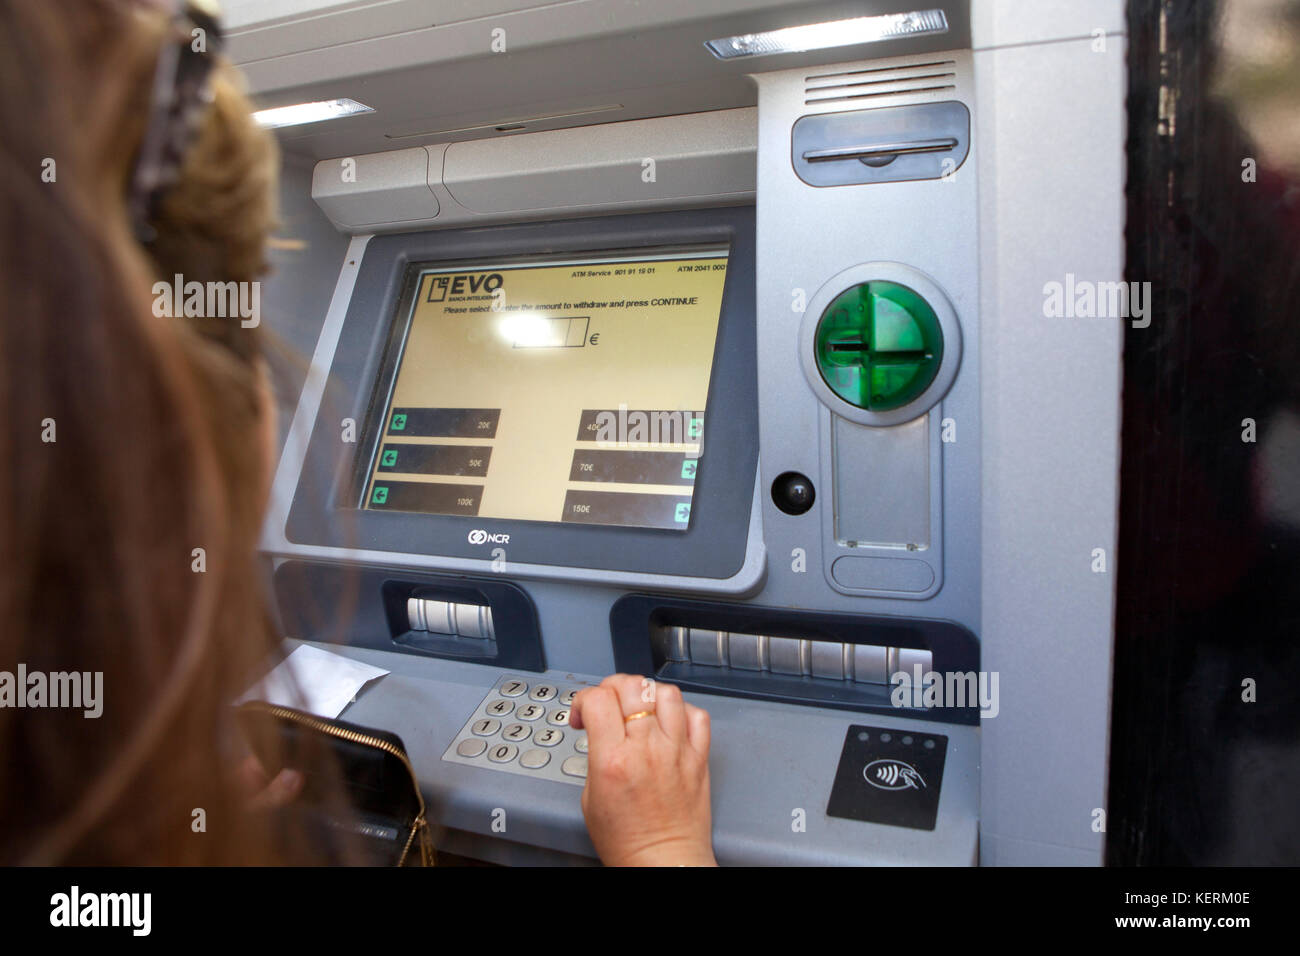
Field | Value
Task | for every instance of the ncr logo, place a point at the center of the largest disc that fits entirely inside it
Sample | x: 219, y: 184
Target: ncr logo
x: 467, y: 283
x: 479, y: 536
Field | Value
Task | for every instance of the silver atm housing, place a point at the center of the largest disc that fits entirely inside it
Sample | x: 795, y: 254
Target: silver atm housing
x: 1022, y: 499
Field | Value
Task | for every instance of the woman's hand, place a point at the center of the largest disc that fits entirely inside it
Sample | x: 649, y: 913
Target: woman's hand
x: 646, y: 800
x: 263, y: 794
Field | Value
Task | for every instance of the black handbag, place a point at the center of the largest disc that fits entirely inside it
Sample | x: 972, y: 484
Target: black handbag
x: 386, y: 814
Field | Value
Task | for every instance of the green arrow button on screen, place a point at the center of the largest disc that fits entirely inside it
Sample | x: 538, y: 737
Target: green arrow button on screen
x: 878, y: 345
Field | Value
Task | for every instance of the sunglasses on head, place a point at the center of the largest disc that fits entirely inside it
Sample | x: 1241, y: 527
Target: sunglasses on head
x: 180, y: 94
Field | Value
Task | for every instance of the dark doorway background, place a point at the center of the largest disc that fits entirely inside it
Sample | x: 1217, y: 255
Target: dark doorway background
x: 1209, y: 559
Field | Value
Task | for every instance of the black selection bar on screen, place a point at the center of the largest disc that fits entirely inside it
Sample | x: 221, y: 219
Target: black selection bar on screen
x: 443, y: 422
x: 630, y: 509
x: 425, y: 497
x: 459, y: 460
x: 633, y: 467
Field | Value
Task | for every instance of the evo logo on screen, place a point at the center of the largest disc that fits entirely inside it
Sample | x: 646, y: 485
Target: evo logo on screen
x: 470, y: 283
x: 479, y: 536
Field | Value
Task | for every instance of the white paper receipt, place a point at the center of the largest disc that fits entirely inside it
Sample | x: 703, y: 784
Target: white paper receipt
x: 314, y: 680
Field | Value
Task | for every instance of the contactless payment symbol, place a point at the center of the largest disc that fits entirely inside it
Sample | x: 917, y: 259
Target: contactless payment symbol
x: 890, y: 776
x: 389, y: 458
x: 399, y: 422
x: 893, y: 775
x: 379, y: 496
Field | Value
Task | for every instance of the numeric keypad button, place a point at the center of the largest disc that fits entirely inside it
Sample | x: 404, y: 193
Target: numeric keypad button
x: 574, y: 767
x: 535, y: 759
x: 548, y: 737
x: 470, y: 748
x: 517, y: 733
x: 530, y: 712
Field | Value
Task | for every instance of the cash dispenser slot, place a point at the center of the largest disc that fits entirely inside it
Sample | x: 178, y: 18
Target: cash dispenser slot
x: 791, y: 656
x: 469, y: 619
x: 830, y: 660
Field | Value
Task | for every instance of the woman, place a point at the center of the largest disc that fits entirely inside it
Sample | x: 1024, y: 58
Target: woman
x: 139, y: 449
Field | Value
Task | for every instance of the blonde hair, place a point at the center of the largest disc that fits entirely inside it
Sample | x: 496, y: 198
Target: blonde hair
x: 157, y: 452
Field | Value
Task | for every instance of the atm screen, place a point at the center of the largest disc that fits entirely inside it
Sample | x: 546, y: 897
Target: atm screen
x: 566, y: 389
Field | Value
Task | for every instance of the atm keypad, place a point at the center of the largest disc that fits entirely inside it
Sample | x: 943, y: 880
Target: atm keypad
x: 522, y: 727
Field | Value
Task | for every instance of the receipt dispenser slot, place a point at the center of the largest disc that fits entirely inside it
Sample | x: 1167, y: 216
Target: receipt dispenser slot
x: 889, y: 144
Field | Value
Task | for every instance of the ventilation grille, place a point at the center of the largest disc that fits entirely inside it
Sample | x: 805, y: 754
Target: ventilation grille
x: 858, y: 85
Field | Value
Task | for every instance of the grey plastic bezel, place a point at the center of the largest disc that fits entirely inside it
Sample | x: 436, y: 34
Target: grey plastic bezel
x: 743, y: 579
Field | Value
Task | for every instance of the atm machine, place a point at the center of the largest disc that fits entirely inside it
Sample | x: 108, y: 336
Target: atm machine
x: 709, y: 340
